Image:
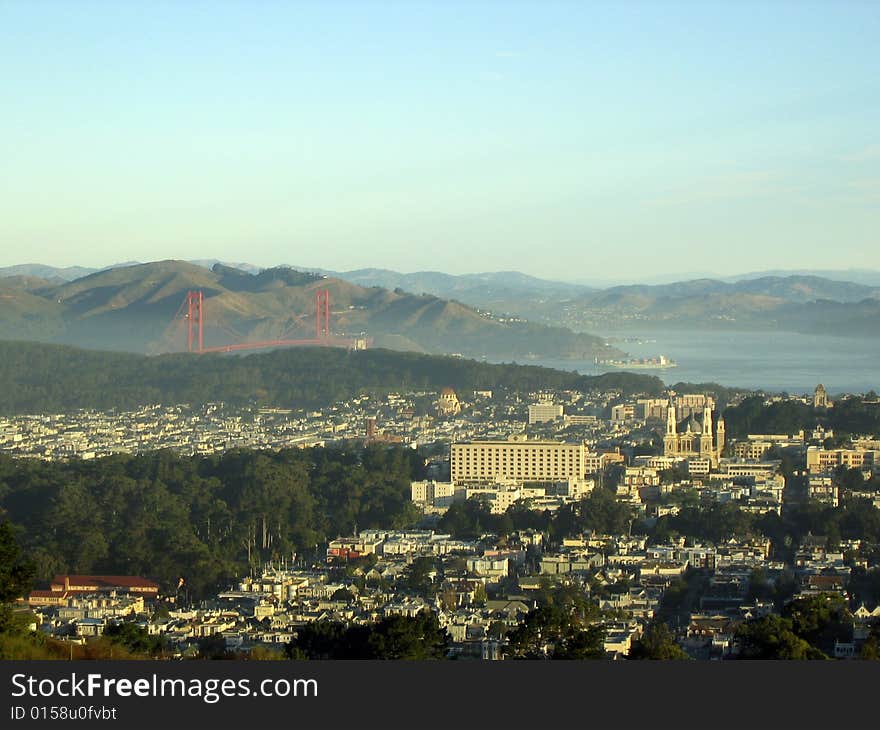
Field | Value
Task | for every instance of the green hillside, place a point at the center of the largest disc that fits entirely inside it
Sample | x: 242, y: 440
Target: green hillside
x: 52, y: 378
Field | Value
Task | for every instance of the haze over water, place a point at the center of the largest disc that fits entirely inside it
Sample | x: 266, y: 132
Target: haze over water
x: 772, y: 361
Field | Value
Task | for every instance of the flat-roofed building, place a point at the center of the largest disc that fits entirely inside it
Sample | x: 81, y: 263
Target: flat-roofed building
x: 821, y: 460
x: 353, y: 547
x: 432, y: 492
x: 499, y: 498
x: 72, y: 584
x: 576, y: 419
x: 544, y: 412
x: 751, y: 449
x: 748, y: 468
x: 594, y: 463
x: 822, y: 489
x: 640, y: 476
x: 623, y: 412
x: 518, y: 461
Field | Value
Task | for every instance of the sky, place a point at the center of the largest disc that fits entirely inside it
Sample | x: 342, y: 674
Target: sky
x: 569, y: 140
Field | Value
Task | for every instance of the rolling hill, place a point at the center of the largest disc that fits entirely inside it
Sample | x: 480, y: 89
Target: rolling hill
x: 133, y: 308
x: 474, y: 314
x: 38, y: 377
x: 42, y: 271
x: 795, y: 302
x: 496, y: 291
x: 792, y: 303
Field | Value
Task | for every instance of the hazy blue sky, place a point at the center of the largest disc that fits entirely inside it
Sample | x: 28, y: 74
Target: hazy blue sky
x: 565, y: 139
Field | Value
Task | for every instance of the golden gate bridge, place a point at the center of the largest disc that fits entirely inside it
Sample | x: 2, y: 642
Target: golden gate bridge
x: 192, y: 314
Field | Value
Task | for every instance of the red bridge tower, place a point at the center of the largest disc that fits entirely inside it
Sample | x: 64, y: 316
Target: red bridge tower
x: 322, y: 314
x: 195, y: 320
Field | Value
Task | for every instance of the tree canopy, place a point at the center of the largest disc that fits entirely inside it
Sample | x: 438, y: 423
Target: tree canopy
x: 556, y: 631
x: 16, y: 574
x: 166, y: 516
x: 39, y: 378
x: 807, y: 629
x: 394, y: 637
x: 656, y: 642
x: 850, y: 415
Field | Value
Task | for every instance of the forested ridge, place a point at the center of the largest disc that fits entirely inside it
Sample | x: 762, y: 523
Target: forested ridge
x: 853, y: 415
x: 39, y: 378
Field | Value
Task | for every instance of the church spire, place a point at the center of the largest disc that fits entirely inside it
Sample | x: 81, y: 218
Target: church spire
x: 671, y: 424
x: 706, y: 445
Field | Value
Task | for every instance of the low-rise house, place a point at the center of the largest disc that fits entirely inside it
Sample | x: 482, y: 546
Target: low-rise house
x: 619, y: 638
x: 816, y: 584
x: 89, y: 627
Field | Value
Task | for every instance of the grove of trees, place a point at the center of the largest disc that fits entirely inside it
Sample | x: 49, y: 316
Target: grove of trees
x: 205, y: 519
x: 416, y: 637
x: 850, y: 415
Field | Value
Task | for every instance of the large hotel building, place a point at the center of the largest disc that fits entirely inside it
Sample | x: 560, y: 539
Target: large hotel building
x: 517, y: 461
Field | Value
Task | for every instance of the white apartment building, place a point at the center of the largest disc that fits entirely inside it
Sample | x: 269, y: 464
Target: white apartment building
x: 432, y: 492
x: 699, y: 467
x: 623, y: 412
x: 499, y: 498
x: 821, y: 489
x: 758, y: 469
x: 544, y: 412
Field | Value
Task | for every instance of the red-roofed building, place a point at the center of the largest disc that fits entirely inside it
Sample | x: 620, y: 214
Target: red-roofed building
x: 814, y: 584
x: 47, y: 598
x: 64, y: 587
x: 73, y: 584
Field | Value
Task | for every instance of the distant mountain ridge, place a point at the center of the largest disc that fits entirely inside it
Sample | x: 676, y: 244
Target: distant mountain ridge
x: 502, y: 292
x: 794, y: 303
x: 792, y: 288
x: 868, y: 277
x: 71, y: 273
x: 800, y: 302
x: 133, y: 308
x: 42, y: 271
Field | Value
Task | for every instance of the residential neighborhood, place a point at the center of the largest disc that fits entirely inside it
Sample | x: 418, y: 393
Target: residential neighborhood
x: 493, y: 456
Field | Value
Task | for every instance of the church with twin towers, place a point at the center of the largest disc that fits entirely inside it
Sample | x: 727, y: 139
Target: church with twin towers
x: 693, y: 439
